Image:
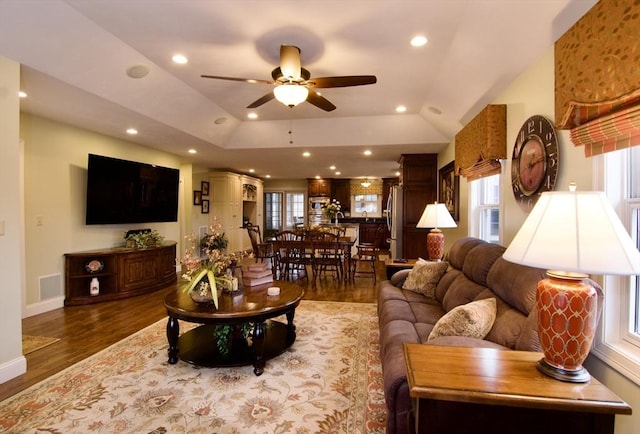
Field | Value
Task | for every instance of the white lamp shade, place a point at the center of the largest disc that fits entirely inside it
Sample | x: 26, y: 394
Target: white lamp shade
x: 575, y: 232
x: 291, y: 94
x: 436, y: 215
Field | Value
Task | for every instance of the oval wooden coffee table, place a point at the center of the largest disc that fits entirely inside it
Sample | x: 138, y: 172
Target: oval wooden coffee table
x: 252, y: 304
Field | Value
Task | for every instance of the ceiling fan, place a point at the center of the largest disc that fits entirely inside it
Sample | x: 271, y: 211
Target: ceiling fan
x: 294, y: 84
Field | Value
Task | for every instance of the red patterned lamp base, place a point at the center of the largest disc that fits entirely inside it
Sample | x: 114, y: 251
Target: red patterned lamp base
x: 567, y: 318
x: 435, y: 244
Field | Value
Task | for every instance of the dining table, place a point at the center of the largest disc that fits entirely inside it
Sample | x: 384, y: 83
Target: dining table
x: 343, y: 244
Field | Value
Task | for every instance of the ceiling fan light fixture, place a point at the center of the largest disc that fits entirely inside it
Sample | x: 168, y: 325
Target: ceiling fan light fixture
x: 291, y: 94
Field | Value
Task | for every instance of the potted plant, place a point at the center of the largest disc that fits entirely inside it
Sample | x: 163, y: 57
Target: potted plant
x: 142, y: 240
x: 203, y: 275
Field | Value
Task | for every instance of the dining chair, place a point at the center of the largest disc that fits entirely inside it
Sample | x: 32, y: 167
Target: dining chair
x: 364, y: 261
x: 326, y: 253
x: 290, y: 251
x: 262, y: 251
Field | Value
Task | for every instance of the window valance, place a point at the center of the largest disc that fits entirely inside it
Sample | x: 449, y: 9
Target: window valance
x: 482, y: 143
x: 374, y: 188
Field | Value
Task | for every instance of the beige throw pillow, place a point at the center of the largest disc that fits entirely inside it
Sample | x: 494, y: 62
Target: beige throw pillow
x: 473, y: 320
x: 424, y: 276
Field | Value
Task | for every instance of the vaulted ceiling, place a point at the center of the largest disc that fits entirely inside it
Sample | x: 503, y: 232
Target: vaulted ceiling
x: 75, y: 55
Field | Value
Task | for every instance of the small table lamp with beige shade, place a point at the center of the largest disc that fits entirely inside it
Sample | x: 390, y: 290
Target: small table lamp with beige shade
x: 436, y: 216
x: 571, y: 234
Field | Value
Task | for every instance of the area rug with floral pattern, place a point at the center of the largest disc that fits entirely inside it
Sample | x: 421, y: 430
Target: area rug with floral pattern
x: 328, y: 381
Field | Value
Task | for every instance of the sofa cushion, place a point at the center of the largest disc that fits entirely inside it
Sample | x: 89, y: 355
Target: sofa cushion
x: 479, y: 261
x: 424, y: 276
x: 473, y: 319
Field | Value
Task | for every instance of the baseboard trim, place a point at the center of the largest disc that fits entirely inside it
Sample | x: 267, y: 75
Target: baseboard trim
x: 42, y: 306
x: 12, y: 369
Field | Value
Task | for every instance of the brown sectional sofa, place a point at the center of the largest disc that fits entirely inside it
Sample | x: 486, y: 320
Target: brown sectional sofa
x: 476, y: 271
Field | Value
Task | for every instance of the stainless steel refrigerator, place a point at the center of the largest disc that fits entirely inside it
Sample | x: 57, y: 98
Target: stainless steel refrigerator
x: 394, y: 221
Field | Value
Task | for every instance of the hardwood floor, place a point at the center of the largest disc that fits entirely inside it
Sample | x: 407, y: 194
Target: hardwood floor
x: 86, y: 330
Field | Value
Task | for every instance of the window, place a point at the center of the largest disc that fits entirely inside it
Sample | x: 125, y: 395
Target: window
x: 283, y: 210
x: 369, y: 203
x: 484, y: 196
x: 273, y: 211
x: 618, y: 338
x: 295, y: 209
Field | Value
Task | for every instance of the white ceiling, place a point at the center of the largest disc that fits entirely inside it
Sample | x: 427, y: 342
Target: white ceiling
x: 75, y: 54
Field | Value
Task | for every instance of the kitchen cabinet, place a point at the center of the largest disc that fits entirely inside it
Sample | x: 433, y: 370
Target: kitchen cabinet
x: 419, y: 174
x: 341, y: 191
x: 319, y: 187
x: 235, y: 197
x: 373, y: 233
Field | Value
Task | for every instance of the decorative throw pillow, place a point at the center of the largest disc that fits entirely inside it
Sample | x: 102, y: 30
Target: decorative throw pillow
x: 424, y: 276
x: 473, y: 320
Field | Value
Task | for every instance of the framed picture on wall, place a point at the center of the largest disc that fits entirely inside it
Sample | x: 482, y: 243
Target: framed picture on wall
x: 205, y: 188
x: 197, y: 197
x: 449, y: 190
x: 205, y: 206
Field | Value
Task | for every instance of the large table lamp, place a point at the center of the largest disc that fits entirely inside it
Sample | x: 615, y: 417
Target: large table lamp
x: 436, y: 216
x: 571, y: 234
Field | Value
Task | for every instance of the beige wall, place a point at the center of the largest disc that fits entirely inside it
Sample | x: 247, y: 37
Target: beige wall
x: 12, y: 363
x: 55, y: 157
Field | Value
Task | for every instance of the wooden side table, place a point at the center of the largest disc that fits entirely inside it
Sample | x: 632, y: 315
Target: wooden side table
x: 463, y: 390
x: 393, y: 266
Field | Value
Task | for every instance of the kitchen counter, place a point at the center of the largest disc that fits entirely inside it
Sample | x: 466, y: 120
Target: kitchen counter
x: 347, y: 220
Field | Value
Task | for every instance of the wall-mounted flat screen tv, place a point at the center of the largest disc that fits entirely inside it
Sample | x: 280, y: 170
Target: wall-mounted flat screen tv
x: 121, y: 191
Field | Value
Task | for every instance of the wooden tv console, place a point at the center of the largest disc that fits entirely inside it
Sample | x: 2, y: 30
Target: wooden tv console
x: 122, y: 272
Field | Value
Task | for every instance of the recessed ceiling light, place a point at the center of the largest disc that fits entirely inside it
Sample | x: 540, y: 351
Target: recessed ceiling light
x: 22, y: 94
x: 401, y: 109
x: 435, y: 110
x: 367, y: 152
x: 132, y: 131
x: 220, y: 121
x: 332, y: 167
x: 419, y: 41
x: 252, y: 115
x: 306, y: 154
x: 338, y: 173
x: 179, y: 59
x: 397, y: 173
x: 267, y: 176
x: 192, y: 151
x: 251, y: 170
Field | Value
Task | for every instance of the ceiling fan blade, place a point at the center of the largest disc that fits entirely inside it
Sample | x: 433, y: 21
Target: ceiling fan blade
x: 263, y: 100
x: 290, y: 62
x: 343, y: 81
x: 320, y: 101
x: 245, y: 80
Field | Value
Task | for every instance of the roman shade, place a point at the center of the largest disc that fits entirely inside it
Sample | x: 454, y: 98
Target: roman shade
x: 617, y: 130
x: 482, y: 143
x: 374, y: 188
x: 597, y: 84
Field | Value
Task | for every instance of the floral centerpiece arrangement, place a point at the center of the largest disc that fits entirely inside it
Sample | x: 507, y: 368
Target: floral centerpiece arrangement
x: 332, y: 208
x: 202, y: 275
x: 141, y: 240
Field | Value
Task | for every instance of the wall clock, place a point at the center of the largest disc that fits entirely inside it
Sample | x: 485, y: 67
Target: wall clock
x: 534, y: 165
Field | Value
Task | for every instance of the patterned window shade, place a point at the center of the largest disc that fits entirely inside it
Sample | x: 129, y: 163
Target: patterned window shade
x: 608, y: 133
x: 482, y: 143
x: 374, y: 188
